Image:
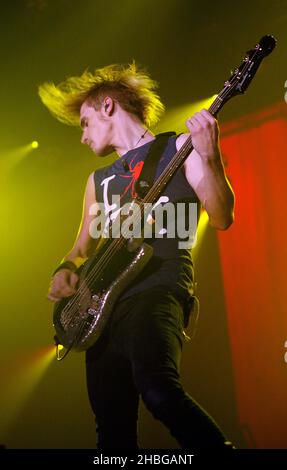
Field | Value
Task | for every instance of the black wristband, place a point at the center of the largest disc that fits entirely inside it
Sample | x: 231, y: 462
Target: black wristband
x: 66, y: 265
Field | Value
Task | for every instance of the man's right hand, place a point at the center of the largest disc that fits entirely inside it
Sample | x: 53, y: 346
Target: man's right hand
x: 63, y: 284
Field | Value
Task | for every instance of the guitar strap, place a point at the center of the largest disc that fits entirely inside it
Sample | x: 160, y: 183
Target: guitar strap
x: 148, y: 172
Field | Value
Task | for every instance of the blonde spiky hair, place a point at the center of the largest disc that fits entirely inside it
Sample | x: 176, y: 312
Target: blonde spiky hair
x: 131, y: 87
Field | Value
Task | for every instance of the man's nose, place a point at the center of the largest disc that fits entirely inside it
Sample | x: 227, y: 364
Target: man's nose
x: 84, y: 139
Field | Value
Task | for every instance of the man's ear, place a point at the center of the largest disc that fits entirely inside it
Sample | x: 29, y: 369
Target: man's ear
x: 108, y: 105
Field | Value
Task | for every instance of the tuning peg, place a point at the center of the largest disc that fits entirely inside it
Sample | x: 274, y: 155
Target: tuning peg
x: 235, y: 71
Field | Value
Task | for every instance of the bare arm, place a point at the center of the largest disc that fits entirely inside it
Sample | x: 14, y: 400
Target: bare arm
x: 205, y: 172
x: 84, y: 244
x: 64, y: 281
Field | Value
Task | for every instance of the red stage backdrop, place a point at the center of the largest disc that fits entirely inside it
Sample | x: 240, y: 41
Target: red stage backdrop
x: 254, y: 264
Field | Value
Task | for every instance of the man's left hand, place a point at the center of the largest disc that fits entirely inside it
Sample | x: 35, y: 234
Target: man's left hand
x: 203, y: 128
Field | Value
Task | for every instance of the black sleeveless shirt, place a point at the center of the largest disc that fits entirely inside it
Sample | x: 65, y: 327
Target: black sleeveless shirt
x: 170, y: 265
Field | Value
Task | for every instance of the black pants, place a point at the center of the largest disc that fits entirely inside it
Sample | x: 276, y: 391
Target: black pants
x: 139, y: 354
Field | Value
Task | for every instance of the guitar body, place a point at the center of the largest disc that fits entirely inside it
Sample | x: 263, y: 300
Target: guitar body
x: 80, y: 319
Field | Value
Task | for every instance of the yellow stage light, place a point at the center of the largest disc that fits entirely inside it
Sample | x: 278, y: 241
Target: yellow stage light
x: 35, y: 144
x: 26, y: 370
x: 175, y: 118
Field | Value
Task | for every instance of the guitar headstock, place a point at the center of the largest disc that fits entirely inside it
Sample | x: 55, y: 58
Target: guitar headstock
x: 243, y: 75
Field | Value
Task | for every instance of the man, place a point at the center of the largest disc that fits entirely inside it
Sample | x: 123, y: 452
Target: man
x: 138, y: 353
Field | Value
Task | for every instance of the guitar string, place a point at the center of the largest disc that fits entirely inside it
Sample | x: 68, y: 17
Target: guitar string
x: 116, y: 245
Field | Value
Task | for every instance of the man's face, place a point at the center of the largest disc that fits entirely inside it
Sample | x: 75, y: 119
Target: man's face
x: 96, y: 130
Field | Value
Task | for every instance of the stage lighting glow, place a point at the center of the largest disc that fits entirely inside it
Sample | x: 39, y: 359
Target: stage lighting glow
x: 35, y: 144
x: 176, y: 117
x: 26, y: 370
x: 201, y: 230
